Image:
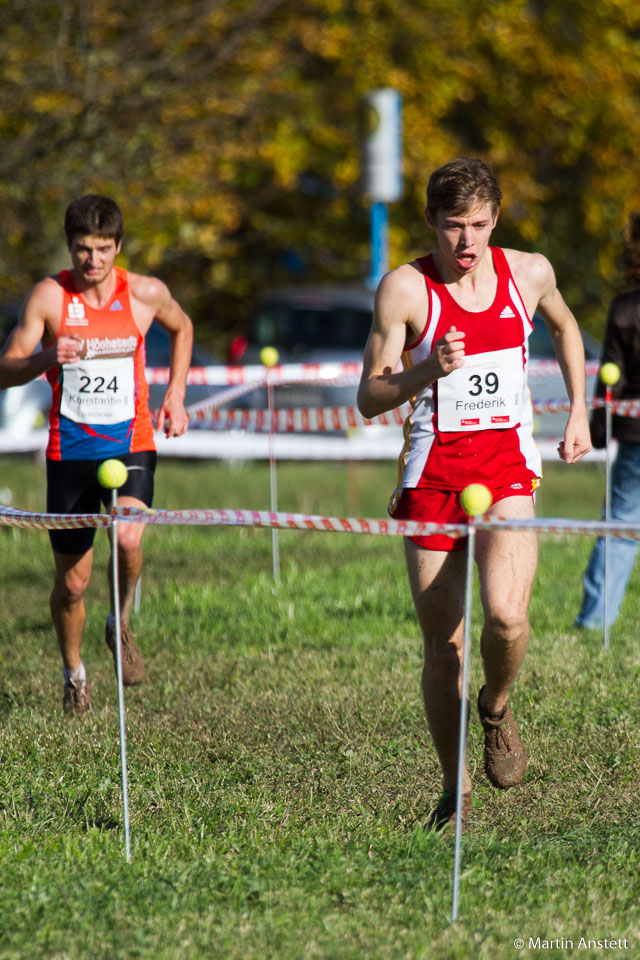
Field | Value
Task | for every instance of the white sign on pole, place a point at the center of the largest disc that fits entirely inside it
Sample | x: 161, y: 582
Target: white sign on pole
x: 383, y: 146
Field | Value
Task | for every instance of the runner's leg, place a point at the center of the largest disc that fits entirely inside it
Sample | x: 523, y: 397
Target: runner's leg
x: 437, y: 580
x: 72, y: 574
x: 507, y: 563
x: 129, y: 559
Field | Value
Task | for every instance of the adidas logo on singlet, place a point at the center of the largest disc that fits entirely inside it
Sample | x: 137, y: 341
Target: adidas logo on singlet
x: 507, y: 312
x: 116, y: 305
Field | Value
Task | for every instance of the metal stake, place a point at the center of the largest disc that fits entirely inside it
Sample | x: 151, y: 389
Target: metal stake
x: 607, y: 511
x: 137, y: 595
x: 462, y: 737
x: 123, y: 734
x: 275, y: 547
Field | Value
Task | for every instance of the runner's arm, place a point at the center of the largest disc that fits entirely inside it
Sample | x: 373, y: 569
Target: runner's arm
x: 172, y: 416
x: 567, y: 342
x: 382, y: 387
x: 21, y: 361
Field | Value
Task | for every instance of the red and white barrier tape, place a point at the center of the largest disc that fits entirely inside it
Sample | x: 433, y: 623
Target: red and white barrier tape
x: 597, y: 528
x: 255, y: 374
x: 551, y: 368
x: 294, y: 420
x: 399, y: 528
x: 290, y: 521
x: 322, y: 419
x: 219, y: 399
x: 302, y: 521
x: 228, y: 376
x: 620, y: 408
x: 10, y: 517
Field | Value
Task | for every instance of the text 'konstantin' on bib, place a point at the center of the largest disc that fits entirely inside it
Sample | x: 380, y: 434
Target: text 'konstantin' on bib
x: 484, y: 394
x: 98, y: 391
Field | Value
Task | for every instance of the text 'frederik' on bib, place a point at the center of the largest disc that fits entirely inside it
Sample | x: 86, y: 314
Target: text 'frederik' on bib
x: 485, y: 394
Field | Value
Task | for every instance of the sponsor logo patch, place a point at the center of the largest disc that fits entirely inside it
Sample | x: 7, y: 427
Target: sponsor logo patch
x: 75, y: 314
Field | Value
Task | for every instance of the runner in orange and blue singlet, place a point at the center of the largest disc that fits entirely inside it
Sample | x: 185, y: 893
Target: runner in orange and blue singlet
x: 100, y: 403
x: 91, y: 322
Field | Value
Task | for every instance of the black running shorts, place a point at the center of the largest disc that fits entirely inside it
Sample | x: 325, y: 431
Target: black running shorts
x: 72, y: 487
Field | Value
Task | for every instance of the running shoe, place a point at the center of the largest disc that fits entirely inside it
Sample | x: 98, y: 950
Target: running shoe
x: 133, y: 668
x: 505, y: 759
x: 444, y: 815
x: 77, y: 697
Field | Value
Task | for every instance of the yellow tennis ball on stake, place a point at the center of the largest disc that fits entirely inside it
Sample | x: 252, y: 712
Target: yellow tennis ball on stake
x: 269, y: 356
x: 112, y: 474
x: 475, y: 499
x: 609, y: 373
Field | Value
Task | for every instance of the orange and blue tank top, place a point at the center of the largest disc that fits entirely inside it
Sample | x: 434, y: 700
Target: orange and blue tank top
x: 100, y: 403
x: 476, y: 424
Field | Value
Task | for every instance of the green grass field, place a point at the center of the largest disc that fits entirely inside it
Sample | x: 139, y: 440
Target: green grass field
x: 279, y: 763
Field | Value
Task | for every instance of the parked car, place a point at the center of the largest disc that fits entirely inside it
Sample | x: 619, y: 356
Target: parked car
x: 311, y: 324
x: 315, y: 324
x: 308, y: 324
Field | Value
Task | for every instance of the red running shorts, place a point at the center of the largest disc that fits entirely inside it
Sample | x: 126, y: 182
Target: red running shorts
x: 443, y: 506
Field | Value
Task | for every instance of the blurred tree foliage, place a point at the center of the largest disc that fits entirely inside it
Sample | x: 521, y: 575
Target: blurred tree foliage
x: 228, y: 131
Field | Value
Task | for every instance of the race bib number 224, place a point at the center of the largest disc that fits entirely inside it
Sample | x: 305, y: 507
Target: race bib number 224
x: 98, y: 391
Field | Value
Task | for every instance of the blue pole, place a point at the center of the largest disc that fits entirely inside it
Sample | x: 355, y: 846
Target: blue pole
x: 379, y: 242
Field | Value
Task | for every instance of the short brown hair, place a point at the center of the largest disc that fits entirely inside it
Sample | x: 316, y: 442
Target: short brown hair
x: 93, y: 215
x: 460, y: 184
x: 631, y: 250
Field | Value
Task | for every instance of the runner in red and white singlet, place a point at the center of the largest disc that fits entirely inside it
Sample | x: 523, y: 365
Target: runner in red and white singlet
x: 474, y: 426
x: 459, y: 321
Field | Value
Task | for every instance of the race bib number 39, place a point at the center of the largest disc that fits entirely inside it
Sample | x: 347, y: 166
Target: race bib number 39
x: 98, y: 391
x: 484, y: 394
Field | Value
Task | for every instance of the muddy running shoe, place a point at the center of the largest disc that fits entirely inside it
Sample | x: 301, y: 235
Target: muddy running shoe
x: 505, y: 759
x: 133, y: 668
x: 444, y: 815
x: 77, y: 697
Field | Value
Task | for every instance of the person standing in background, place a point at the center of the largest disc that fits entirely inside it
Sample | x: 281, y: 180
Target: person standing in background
x: 622, y: 347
